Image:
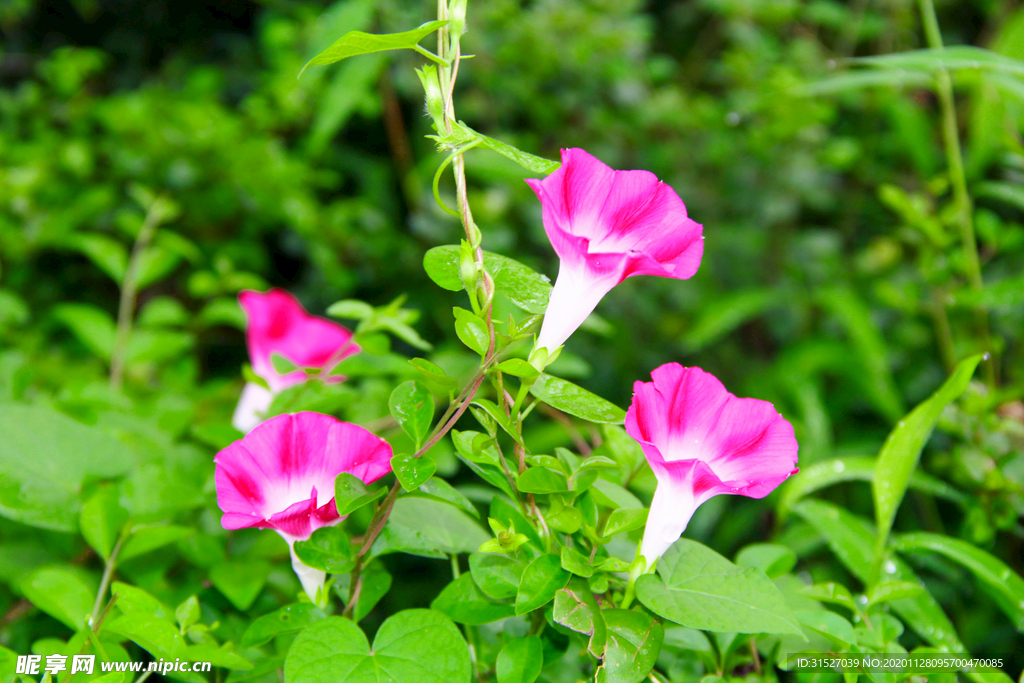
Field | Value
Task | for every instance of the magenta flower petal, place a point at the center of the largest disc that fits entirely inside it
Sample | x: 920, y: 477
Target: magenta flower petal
x: 281, y: 477
x: 277, y: 323
x: 605, y: 226
x: 701, y: 441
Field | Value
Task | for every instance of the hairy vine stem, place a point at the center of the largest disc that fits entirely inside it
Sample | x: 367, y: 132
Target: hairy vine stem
x: 448, y: 72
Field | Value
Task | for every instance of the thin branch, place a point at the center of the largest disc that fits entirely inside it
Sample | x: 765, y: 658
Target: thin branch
x: 129, y: 292
x: 108, y: 574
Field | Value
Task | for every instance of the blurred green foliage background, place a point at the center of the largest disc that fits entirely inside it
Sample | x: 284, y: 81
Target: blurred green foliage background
x: 832, y: 283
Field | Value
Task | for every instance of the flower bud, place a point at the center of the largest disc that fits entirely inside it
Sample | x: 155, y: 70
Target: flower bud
x: 434, y: 98
x: 456, y: 19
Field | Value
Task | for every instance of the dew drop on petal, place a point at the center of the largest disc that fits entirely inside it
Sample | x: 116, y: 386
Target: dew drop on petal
x: 890, y: 567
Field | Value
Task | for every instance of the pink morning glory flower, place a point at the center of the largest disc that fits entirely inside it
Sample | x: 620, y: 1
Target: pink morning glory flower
x: 277, y: 323
x: 701, y: 441
x: 605, y: 226
x: 281, y: 477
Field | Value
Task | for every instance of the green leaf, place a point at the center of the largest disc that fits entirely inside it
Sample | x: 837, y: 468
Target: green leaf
x: 609, y: 494
x: 472, y: 331
x: 530, y: 162
x: 569, y: 398
x: 634, y: 641
x: 350, y: 493
x: 413, y: 645
x: 823, y: 474
x: 499, y: 416
x: 358, y: 43
x: 466, y: 604
x: 288, y: 619
x: 134, y: 600
x: 832, y: 593
x: 574, y: 561
x: 893, y: 590
x: 1003, y: 584
x: 857, y: 80
x: 65, y: 593
x: 498, y: 576
x: 517, y: 367
x: 101, y: 519
x: 433, y: 373
x: 222, y: 311
x: 145, y: 539
x: 106, y: 253
x: 568, y: 520
x: 412, y: 406
x: 240, y: 581
x: 541, y: 480
x: 526, y: 288
x: 420, y: 524
x: 440, y: 490
x: 1003, y: 294
x: 157, y: 346
x: 282, y: 365
x: 412, y: 472
x: 774, y: 560
x: 351, y: 309
x: 327, y: 549
x: 698, y: 588
x: 44, y: 458
x: 541, y: 580
x: 188, y: 613
x: 223, y: 656
x: 576, y: 609
x: 622, y: 520
x: 371, y: 365
x: 520, y: 661
x: 899, y: 455
x: 156, y: 635
x: 836, y: 630
x: 950, y: 58
x: 313, y: 396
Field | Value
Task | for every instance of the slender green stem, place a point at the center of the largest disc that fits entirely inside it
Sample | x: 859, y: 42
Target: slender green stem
x: 129, y: 291
x: 958, y: 179
x: 430, y: 55
x: 108, y: 575
x: 943, y: 332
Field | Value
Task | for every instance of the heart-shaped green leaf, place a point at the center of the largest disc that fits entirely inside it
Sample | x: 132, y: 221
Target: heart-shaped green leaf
x: 350, y: 493
x: 413, y: 645
x: 327, y: 549
x: 698, y: 588
x: 412, y: 472
x: 541, y: 580
x: 413, y: 409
